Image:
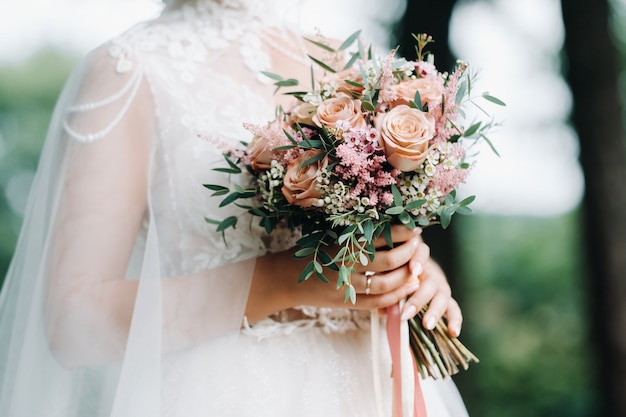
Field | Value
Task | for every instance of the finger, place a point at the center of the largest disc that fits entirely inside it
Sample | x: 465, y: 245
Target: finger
x: 383, y: 282
x: 424, y: 294
x: 399, y: 233
x: 391, y: 259
x: 384, y: 300
x: 419, y: 259
x: 455, y: 318
x: 436, y: 309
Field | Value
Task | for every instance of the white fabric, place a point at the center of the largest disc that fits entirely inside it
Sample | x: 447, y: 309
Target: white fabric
x: 121, y: 301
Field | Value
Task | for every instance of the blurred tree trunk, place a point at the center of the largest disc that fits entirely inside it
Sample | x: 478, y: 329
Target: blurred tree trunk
x: 593, y: 71
x: 433, y: 18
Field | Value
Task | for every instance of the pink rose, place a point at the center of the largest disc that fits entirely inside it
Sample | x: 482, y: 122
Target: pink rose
x: 404, y: 136
x: 300, y: 184
x: 352, y: 74
x: 430, y: 88
x: 303, y: 113
x: 339, y: 109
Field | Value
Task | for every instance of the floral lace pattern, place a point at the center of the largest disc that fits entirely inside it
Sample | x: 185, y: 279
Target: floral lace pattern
x: 329, y: 320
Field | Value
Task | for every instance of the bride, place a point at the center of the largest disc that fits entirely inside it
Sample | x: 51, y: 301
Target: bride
x: 121, y: 301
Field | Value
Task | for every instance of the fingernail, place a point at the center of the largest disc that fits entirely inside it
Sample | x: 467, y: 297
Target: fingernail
x: 431, y: 322
x: 455, y: 330
x: 409, y: 312
x: 417, y: 269
x: 417, y: 230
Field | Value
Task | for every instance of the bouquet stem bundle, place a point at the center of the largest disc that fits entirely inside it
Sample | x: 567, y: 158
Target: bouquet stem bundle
x: 437, y: 354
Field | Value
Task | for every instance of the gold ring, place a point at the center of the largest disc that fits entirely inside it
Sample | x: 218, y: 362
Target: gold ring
x: 368, y: 282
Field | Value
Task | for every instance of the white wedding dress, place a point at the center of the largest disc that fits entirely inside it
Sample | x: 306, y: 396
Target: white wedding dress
x: 121, y: 301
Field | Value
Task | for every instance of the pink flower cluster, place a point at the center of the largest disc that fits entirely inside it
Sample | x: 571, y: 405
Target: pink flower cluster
x: 364, y: 130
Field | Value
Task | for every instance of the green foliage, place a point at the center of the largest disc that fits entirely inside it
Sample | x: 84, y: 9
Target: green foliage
x: 523, y: 299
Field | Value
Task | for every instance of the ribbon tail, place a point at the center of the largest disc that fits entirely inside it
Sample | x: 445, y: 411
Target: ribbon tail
x: 408, y: 400
x: 375, y: 333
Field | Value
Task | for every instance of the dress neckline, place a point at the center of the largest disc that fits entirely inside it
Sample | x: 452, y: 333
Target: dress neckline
x: 241, y: 11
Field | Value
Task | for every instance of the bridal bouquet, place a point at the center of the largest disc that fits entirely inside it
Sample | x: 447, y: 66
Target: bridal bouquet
x: 373, y: 143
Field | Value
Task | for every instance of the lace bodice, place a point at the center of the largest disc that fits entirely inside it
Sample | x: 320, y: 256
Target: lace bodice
x: 200, y: 65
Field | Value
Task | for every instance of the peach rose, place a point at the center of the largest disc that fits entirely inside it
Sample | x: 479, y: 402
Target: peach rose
x: 300, y: 184
x: 261, y: 148
x: 338, y: 109
x: 352, y: 74
x: 430, y: 88
x: 404, y: 136
x: 260, y: 153
x: 303, y: 113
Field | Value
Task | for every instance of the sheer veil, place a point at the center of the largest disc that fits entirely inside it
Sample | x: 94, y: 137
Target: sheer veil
x: 115, y: 266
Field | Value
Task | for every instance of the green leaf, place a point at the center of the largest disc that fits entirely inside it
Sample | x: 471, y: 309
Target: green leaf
x: 446, y: 217
x: 321, y: 45
x: 394, y: 211
x: 494, y: 100
x: 291, y: 82
x: 368, y: 230
x: 285, y: 148
x: 343, y: 237
x: 272, y: 75
x: 405, y: 217
x: 422, y: 221
x: 306, y: 272
x: 354, y: 84
x: 228, y: 170
x: 350, y: 295
x: 322, y: 277
x: 468, y: 200
x: 418, y: 100
x: 472, y: 129
x: 312, y: 160
x: 291, y: 139
x: 325, y: 258
x: 349, y: 41
x: 352, y: 60
x: 397, y: 197
x: 310, y: 240
x: 464, y: 210
x: 413, y: 205
x: 460, y: 93
x: 226, y: 223
x: 232, y: 197
x: 344, y: 276
x: 214, y: 187
x: 368, y: 105
x: 493, y: 148
x: 304, y: 253
x: 363, y: 259
x: 322, y: 64
x: 387, y: 235
x: 317, y: 266
x: 211, y: 221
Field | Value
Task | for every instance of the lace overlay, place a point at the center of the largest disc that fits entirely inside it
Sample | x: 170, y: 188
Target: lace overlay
x: 301, y: 319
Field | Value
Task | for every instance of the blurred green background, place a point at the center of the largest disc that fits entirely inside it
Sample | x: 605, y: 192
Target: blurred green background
x: 522, y: 277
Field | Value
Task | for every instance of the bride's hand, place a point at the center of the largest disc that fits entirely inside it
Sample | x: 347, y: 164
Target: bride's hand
x: 275, y: 286
x: 435, y: 291
x: 383, y: 282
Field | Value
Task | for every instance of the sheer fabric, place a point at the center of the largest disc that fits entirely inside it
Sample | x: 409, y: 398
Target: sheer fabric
x: 121, y: 300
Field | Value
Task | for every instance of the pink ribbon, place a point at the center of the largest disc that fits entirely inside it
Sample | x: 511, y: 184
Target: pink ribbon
x: 394, y: 322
